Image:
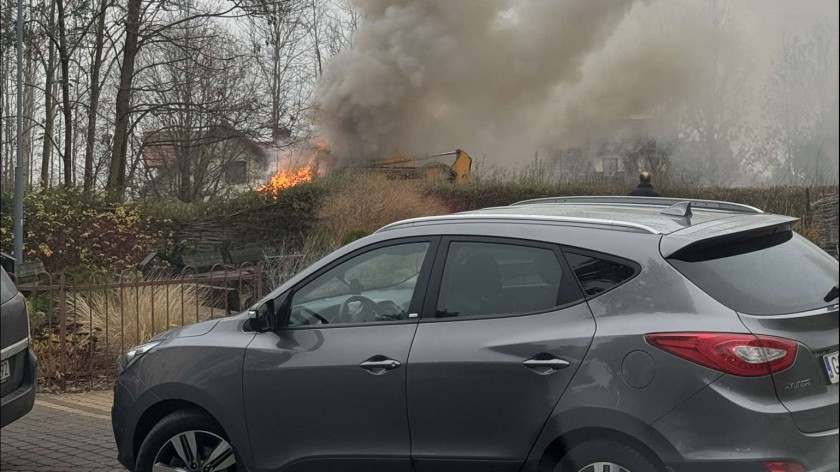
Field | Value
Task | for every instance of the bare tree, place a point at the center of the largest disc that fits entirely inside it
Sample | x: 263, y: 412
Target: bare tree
x: 86, y: 112
x: 144, y: 26
x: 278, y: 33
x: 317, y: 14
x: 49, y: 103
x: 95, y: 88
x: 292, y: 40
x: 801, y: 107
x: 7, y: 59
x: 341, y: 21
x: 65, y: 25
x: 715, y: 127
x: 131, y: 46
x: 28, y: 107
x: 64, y: 61
x: 199, y: 100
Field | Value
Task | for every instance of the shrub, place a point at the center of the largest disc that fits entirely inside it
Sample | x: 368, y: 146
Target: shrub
x: 248, y: 219
x: 66, y: 228
x: 80, y: 348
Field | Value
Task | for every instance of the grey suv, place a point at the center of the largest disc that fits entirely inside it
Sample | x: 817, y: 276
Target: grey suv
x: 589, y: 334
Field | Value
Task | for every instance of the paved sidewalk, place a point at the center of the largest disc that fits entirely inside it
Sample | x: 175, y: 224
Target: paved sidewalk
x: 62, y: 433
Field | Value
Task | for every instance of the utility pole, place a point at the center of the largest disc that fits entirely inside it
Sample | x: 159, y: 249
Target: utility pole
x: 18, y: 226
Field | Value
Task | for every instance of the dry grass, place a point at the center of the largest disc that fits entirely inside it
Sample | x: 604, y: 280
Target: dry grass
x: 810, y: 230
x: 102, y: 324
x: 79, y: 347
x: 121, y: 318
x: 365, y: 203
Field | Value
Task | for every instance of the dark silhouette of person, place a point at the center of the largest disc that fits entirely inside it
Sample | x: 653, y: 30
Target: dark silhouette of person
x: 645, y: 188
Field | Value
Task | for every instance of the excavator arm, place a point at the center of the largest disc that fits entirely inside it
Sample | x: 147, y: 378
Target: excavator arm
x: 462, y: 167
x: 459, y: 172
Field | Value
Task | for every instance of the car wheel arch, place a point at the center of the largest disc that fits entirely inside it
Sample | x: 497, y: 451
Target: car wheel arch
x: 561, y: 445
x: 156, y: 412
x: 568, y: 427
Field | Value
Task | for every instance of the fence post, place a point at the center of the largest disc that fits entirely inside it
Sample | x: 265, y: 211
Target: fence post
x: 62, y: 328
x: 137, y: 339
x: 152, y: 290
x: 807, y: 205
x: 122, y: 314
x: 258, y: 288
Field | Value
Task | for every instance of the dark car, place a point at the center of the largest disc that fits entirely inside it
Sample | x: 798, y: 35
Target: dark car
x: 17, y: 360
x: 591, y: 334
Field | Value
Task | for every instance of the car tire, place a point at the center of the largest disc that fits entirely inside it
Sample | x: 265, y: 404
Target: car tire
x: 173, y: 425
x: 587, y: 457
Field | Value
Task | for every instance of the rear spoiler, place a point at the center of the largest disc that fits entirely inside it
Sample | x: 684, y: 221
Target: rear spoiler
x: 726, y: 229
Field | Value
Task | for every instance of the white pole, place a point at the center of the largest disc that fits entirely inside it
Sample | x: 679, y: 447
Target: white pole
x: 18, y: 213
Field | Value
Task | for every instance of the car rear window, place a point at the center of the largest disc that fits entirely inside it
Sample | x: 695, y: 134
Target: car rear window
x: 597, y: 273
x: 769, y: 275
x: 7, y: 288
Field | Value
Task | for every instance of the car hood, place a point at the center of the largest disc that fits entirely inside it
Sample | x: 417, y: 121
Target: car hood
x: 188, y: 331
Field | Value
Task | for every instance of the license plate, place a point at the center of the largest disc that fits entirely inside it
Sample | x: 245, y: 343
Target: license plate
x: 832, y: 365
x: 5, y: 373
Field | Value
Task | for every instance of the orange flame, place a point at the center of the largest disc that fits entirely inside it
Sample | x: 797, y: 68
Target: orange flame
x: 284, y: 179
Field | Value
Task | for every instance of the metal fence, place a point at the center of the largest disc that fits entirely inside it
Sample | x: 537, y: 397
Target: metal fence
x: 81, y: 325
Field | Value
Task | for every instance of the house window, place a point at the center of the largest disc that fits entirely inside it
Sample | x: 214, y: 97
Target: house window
x: 236, y: 172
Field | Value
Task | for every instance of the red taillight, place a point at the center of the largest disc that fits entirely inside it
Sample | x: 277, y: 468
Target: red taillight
x: 745, y: 355
x: 783, y: 466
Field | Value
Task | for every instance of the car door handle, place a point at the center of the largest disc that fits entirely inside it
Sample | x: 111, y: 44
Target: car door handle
x: 378, y: 365
x: 545, y: 365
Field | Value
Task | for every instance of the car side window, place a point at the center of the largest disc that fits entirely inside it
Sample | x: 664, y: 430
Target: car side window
x: 598, y: 274
x: 376, y: 286
x: 499, y: 279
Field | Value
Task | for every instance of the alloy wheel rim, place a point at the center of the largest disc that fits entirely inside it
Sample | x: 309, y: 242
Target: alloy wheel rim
x: 604, y: 467
x: 195, y: 451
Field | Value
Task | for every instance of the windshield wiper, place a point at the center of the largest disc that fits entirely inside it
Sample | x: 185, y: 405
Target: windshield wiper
x: 832, y: 294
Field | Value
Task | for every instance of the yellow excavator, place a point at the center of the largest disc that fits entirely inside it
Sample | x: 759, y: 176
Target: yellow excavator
x: 418, y: 167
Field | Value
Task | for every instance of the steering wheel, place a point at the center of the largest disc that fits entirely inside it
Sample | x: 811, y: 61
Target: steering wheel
x: 368, y: 305
x: 311, y: 314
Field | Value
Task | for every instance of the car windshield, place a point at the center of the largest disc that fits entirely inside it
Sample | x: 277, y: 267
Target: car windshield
x: 778, y: 274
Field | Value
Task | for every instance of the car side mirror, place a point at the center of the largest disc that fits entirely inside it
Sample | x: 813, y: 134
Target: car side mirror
x: 259, y: 319
x: 271, y: 315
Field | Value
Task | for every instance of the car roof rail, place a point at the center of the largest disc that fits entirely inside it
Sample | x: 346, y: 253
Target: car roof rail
x: 647, y: 201
x: 501, y: 217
